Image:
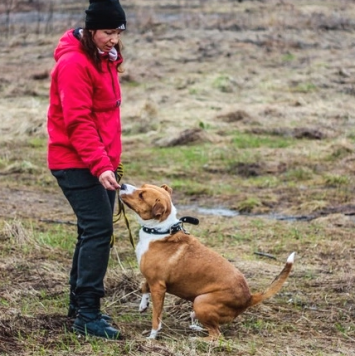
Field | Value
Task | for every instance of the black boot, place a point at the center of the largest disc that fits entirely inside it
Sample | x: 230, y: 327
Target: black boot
x: 90, y: 322
x: 73, y: 307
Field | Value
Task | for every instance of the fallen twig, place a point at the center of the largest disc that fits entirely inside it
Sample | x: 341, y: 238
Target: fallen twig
x: 265, y: 255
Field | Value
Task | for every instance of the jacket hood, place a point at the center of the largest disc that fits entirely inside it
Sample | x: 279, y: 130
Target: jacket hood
x: 67, y: 43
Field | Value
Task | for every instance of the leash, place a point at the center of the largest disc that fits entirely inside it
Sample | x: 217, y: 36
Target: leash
x: 179, y: 226
x: 121, y: 211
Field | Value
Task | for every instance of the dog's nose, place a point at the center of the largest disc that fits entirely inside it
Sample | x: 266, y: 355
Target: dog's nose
x: 123, y: 187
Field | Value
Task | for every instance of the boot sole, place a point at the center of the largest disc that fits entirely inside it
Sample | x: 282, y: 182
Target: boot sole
x: 84, y: 332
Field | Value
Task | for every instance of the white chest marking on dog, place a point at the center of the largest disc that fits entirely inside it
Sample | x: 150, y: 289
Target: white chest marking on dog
x: 143, y: 244
x: 145, y: 238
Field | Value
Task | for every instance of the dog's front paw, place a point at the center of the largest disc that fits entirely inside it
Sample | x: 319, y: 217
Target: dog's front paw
x: 143, y: 309
x: 153, y: 334
x: 144, y: 304
x: 196, y: 327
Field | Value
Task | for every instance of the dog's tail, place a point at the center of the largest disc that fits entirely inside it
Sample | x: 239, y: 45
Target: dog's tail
x: 276, y: 285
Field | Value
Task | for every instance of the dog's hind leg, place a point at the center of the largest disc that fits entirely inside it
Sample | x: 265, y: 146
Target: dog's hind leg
x: 208, y: 314
x: 194, y: 326
x: 158, y: 295
x: 144, y: 304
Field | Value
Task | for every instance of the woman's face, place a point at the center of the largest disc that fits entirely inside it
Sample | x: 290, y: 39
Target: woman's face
x: 106, y: 39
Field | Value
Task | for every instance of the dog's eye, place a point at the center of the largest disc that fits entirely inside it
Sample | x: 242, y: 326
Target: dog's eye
x: 141, y: 195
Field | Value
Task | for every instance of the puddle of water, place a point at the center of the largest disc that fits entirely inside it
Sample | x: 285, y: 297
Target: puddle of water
x: 209, y: 211
x: 220, y: 211
x: 282, y: 217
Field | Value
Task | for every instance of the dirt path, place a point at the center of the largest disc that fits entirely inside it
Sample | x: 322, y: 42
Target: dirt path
x: 33, y: 204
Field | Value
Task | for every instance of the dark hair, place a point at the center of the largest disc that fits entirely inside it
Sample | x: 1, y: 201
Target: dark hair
x: 91, y: 51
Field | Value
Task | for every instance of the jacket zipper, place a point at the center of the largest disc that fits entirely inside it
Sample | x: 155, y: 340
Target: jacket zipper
x: 118, y: 102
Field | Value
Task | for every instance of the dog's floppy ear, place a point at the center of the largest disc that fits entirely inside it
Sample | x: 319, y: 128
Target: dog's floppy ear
x: 158, y: 209
x: 167, y: 188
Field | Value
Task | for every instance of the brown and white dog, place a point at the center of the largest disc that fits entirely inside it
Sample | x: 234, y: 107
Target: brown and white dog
x: 172, y: 261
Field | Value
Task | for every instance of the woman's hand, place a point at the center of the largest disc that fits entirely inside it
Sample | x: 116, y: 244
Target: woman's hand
x: 108, y: 180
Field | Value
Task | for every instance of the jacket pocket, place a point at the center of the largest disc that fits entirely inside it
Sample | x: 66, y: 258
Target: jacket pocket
x: 106, y: 105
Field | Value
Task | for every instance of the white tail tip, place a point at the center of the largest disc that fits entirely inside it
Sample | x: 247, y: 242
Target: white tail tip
x: 291, y: 258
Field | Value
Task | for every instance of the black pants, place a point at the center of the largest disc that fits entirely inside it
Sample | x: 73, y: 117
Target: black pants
x: 93, y: 206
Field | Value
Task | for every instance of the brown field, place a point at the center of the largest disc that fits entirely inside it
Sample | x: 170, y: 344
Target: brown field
x: 246, y: 108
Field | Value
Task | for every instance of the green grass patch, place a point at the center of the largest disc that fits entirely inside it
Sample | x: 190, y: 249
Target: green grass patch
x: 58, y: 236
x: 288, y: 57
x: 223, y: 83
x: 306, y: 87
x: 184, y: 158
x: 246, y: 140
x: 266, y: 181
x: 336, y: 180
x: 37, y: 142
x: 248, y: 205
x: 298, y: 174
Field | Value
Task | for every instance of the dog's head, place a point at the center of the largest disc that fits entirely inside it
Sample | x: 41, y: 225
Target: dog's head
x: 149, y: 202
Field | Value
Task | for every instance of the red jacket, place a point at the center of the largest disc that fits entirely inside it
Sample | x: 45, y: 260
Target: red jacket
x: 84, y: 125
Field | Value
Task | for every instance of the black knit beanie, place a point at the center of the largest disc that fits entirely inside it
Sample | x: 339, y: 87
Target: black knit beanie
x: 105, y: 14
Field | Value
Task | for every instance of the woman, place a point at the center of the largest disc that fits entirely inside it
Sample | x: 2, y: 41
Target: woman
x: 84, y: 150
